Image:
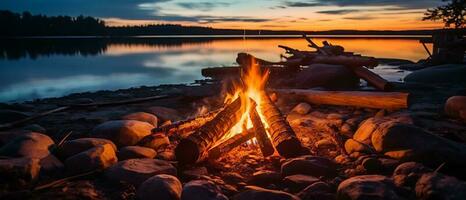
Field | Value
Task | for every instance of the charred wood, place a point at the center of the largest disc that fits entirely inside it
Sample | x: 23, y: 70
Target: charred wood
x: 183, y: 127
x: 230, y: 144
x: 193, y: 148
x: 283, y: 137
x: 261, y: 135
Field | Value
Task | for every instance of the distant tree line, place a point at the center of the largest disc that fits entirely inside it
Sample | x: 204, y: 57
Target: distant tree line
x: 26, y: 24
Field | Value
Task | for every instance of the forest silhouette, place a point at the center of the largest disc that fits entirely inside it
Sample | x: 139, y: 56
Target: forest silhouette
x: 27, y: 24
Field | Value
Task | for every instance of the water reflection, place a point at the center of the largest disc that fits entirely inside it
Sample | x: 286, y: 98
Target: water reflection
x: 38, y: 68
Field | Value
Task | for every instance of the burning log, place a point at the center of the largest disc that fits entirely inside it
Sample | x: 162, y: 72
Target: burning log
x: 193, y: 148
x: 372, y: 78
x: 282, y: 135
x: 183, y: 127
x: 260, y: 133
x: 230, y: 144
x: 381, y: 100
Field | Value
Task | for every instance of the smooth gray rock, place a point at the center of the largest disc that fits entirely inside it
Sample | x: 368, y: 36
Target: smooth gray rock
x: 143, y: 117
x: 99, y: 157
x: 162, y: 186
x: 309, y: 165
x: 31, y: 145
x: 407, y: 174
x: 136, y: 171
x: 367, y: 187
x: 446, y: 74
x: 131, y: 152
x: 73, y: 147
x: 123, y: 132
x: 202, y: 190
x: 433, y: 186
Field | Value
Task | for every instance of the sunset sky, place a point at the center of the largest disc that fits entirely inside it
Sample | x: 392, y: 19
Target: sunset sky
x: 312, y: 15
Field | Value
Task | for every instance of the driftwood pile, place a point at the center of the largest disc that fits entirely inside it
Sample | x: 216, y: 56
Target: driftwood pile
x: 326, y: 54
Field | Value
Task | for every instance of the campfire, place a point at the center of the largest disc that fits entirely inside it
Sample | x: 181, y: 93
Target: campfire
x: 248, y: 115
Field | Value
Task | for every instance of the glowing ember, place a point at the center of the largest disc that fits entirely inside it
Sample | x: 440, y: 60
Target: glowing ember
x: 254, y: 81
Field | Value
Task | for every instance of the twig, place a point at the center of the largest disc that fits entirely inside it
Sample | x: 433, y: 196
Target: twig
x: 64, y: 139
x: 439, y: 167
x: 62, y: 181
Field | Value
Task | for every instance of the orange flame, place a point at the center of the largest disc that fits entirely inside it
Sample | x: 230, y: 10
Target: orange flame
x: 254, y: 81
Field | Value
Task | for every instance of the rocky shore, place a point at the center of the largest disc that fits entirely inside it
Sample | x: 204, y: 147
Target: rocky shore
x: 110, y: 153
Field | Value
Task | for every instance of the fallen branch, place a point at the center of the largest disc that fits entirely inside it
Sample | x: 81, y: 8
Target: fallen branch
x: 72, y: 106
x: 382, y: 100
x: 62, y: 181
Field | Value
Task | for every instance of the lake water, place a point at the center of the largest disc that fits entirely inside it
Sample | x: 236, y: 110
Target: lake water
x: 51, y: 67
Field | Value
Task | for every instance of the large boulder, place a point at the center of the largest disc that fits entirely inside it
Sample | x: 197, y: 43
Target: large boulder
x: 143, y: 117
x: 160, y: 186
x: 309, y: 165
x: 421, y: 145
x: 437, y: 186
x: 456, y: 107
x: 442, y: 74
x: 136, y: 171
x: 18, y: 172
x: 258, y: 193
x: 123, y: 132
x: 367, y: 187
x: 131, y: 152
x: 202, y: 190
x: 368, y: 126
x: 100, y: 157
x: 73, y: 147
x: 31, y: 145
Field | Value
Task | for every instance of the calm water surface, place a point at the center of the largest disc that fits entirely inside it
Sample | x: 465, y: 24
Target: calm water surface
x: 38, y: 68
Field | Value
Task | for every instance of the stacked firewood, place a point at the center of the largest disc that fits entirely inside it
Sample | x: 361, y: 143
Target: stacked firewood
x: 202, y: 143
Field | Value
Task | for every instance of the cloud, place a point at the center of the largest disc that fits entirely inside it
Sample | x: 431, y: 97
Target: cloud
x: 404, y: 4
x: 338, y: 12
x: 202, y: 6
x: 302, y: 4
x: 362, y: 17
x: 209, y: 18
x: 134, y: 9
